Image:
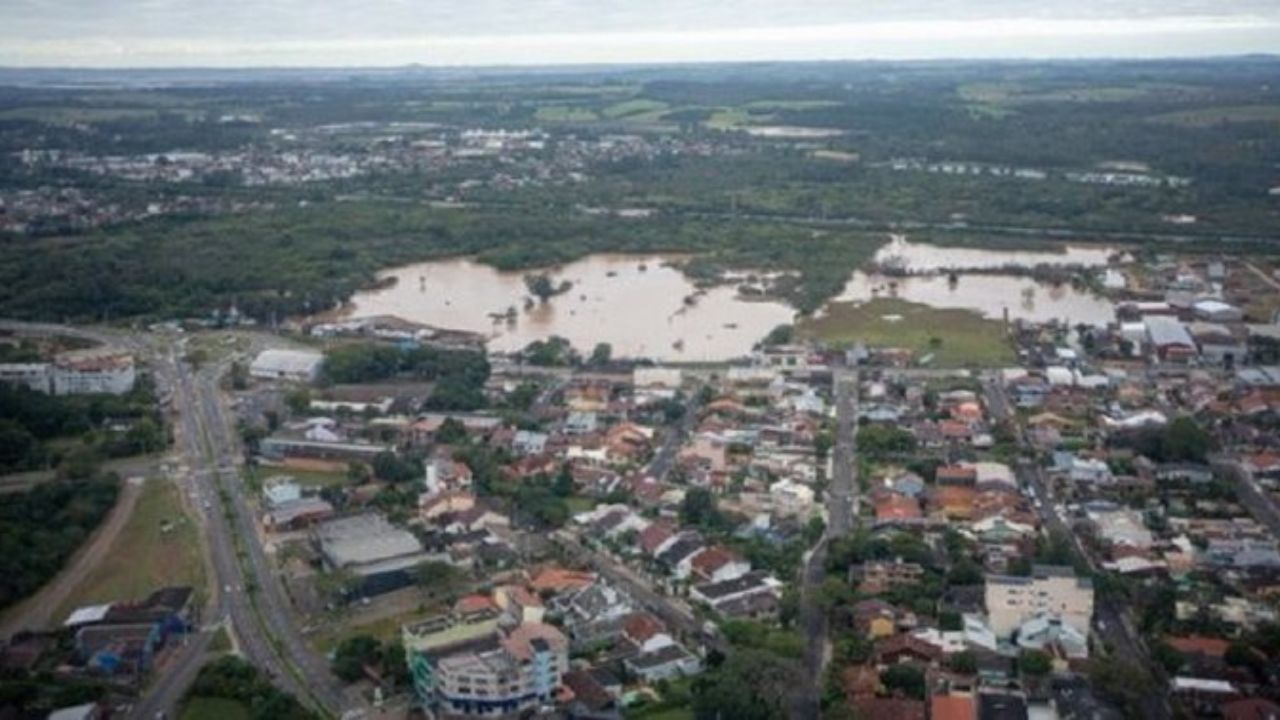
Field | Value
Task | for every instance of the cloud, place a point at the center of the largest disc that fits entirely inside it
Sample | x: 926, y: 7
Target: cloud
x: 452, y: 32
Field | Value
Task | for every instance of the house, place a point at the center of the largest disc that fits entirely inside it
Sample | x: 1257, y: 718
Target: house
x: 556, y: 580
x: 716, y: 564
x: 434, y: 508
x: 678, y: 556
x: 591, y: 700
x: 892, y: 508
x: 1254, y: 708
x: 296, y: 514
x: 877, y: 577
x: 655, y: 538
x: 907, y: 648
x: 889, y: 708
x: 750, y: 594
x: 666, y: 663
x: 645, y: 631
x: 528, y: 442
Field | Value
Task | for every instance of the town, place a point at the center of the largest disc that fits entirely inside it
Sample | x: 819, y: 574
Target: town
x: 390, y: 519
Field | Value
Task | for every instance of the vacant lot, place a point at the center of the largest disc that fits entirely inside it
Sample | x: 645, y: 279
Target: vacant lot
x: 159, y: 546
x: 956, y: 338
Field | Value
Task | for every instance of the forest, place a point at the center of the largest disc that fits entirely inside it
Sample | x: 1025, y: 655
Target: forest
x: 41, y: 527
x: 712, y: 172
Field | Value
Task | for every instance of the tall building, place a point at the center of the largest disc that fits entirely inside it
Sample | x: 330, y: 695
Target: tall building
x: 1049, y: 590
x: 474, y: 665
x: 78, y: 372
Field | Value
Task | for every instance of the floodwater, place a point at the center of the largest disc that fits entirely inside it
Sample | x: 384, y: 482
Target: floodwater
x: 638, y: 304
x: 922, y: 257
x: 989, y: 294
x: 640, y: 312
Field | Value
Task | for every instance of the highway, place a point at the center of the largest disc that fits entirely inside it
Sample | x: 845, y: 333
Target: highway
x: 247, y: 595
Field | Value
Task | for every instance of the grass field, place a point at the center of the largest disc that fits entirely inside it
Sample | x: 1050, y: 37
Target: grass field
x: 578, y: 504
x: 209, y: 708
x: 565, y: 113
x: 956, y: 338
x: 159, y: 546
x: 305, y: 478
x: 638, y: 106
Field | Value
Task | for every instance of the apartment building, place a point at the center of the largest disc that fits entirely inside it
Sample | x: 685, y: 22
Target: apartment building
x: 475, y: 666
x: 1049, y: 590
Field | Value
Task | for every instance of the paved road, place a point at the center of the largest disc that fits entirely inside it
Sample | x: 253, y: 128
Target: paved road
x: 36, y: 612
x: 1111, y: 622
x: 1257, y: 501
x: 842, y: 509
x: 664, y: 457
x: 252, y: 603
x: 676, y: 614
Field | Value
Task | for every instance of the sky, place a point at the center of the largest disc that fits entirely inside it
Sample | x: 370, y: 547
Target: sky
x: 336, y: 33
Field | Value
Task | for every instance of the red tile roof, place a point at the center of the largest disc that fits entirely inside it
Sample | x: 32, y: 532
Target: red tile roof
x: 951, y: 707
x: 641, y: 626
x: 897, y: 507
x: 1199, y: 645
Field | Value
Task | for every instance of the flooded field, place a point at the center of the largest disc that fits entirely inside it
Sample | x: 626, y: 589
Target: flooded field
x: 988, y: 294
x: 922, y: 257
x: 637, y: 304
x: 644, y: 307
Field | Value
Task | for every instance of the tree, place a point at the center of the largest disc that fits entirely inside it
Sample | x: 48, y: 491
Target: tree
x: 298, y: 401
x: 780, y: 335
x: 906, y: 679
x: 541, y: 286
x: 438, y: 579
x: 601, y: 354
x: 1185, y: 440
x: 1034, y: 663
x: 699, y: 508
x: 451, y: 432
x: 750, y: 684
x: 394, y: 469
x: 563, y: 485
x: 239, y: 375
x: 353, y: 654
x: 358, y: 473
x: 963, y: 662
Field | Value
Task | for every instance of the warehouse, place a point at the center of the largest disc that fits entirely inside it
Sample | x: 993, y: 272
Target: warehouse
x: 293, y: 365
x: 369, y: 547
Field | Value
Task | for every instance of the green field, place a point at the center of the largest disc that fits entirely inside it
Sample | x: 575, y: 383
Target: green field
x: 210, y: 708
x: 639, y: 106
x: 159, y: 546
x: 956, y: 338
x: 565, y: 113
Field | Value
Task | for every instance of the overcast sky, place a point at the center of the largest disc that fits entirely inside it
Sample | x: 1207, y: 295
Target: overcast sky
x: 231, y: 33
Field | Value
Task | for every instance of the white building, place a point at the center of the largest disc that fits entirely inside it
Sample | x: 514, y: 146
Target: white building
x: 294, y: 365
x: 100, y: 370
x: 36, y: 376
x: 1013, y: 600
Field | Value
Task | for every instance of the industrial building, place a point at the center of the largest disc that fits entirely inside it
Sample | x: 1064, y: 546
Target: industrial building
x: 291, y: 365
x: 369, y: 547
